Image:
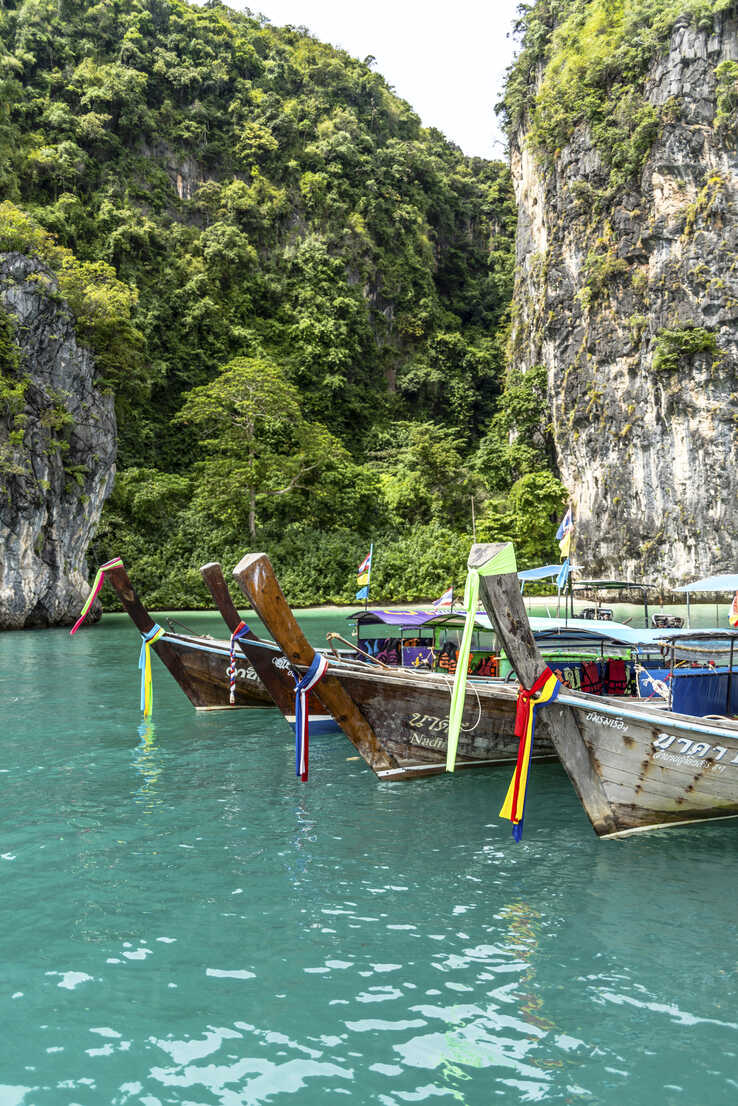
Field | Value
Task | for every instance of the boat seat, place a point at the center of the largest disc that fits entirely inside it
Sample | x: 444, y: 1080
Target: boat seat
x: 667, y: 622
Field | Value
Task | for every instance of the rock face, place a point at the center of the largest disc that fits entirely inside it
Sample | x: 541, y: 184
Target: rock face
x: 53, y: 484
x: 630, y: 300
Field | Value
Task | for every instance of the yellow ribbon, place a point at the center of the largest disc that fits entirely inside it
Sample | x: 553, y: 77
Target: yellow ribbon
x: 144, y: 663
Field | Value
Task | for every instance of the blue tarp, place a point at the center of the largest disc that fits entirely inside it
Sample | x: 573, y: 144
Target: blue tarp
x: 580, y: 630
x: 546, y: 572
x: 702, y: 693
x: 727, y: 582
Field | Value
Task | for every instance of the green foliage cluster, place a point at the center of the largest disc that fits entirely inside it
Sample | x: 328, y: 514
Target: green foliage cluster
x: 584, y: 61
x: 672, y: 348
x: 13, y: 385
x: 601, y: 267
x: 297, y: 292
x: 102, y: 305
x: 726, y: 73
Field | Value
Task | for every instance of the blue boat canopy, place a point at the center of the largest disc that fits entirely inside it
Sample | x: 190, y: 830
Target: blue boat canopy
x: 574, y: 632
x: 727, y: 582
x: 545, y: 572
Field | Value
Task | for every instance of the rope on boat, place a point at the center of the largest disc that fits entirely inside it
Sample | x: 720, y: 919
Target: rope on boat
x: 356, y: 649
x: 689, y: 650
x: 173, y: 623
x: 464, y: 729
x: 659, y: 687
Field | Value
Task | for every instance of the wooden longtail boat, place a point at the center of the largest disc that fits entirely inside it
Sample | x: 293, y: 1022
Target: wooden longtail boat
x: 634, y: 765
x: 198, y: 664
x: 397, y: 718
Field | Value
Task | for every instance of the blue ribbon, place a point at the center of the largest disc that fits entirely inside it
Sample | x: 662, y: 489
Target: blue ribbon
x: 155, y: 632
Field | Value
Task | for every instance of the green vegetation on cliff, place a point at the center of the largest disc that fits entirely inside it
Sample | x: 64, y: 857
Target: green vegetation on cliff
x: 584, y: 61
x: 298, y: 294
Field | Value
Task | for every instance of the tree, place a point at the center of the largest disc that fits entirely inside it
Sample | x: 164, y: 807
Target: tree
x: 263, y: 445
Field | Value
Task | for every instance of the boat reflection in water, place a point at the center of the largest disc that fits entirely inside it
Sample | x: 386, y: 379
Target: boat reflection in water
x: 147, y: 763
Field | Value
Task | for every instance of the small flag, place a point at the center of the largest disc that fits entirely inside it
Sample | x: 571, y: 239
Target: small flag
x: 445, y: 600
x: 364, y: 575
x: 563, y: 575
x: 733, y: 617
x: 563, y: 534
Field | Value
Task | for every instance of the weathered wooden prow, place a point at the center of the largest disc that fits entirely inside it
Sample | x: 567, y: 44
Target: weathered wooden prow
x: 215, y: 581
x: 504, y: 605
x: 259, y: 584
x: 277, y: 682
x: 144, y: 623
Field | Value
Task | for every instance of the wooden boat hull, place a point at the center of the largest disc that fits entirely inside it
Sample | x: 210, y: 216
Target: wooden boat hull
x: 206, y: 662
x: 634, y: 766
x: 409, y: 715
x: 200, y: 665
x: 657, y: 768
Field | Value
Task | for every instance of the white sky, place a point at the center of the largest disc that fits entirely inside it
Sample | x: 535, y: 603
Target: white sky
x: 447, y: 60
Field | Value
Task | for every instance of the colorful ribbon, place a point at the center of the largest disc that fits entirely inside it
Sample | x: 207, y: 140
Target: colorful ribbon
x: 144, y: 663
x: 545, y: 690
x: 303, y: 687
x: 239, y: 632
x: 503, y: 562
x: 96, y: 585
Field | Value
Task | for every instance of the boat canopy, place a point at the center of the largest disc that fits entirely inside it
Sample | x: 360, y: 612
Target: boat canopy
x: 545, y: 572
x: 611, y: 585
x: 408, y: 617
x: 727, y: 582
x: 582, y: 631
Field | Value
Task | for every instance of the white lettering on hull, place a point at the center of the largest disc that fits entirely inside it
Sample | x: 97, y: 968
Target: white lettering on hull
x: 691, y: 754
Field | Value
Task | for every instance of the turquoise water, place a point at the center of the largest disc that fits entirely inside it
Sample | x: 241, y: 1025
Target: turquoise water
x: 185, y: 922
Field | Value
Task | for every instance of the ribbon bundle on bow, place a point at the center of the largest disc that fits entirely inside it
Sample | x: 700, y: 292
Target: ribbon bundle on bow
x: 239, y: 632
x: 303, y: 687
x: 96, y: 585
x: 503, y: 561
x: 545, y: 689
x: 144, y: 663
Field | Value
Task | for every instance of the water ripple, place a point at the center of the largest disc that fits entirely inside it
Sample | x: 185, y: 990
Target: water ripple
x: 183, y: 922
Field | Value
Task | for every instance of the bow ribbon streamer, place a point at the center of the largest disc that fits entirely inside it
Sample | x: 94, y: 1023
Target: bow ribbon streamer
x: 239, y: 632
x: 303, y: 687
x: 144, y: 663
x: 545, y: 690
x: 96, y: 586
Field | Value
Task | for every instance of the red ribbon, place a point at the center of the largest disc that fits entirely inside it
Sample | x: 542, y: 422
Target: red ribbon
x: 525, y: 704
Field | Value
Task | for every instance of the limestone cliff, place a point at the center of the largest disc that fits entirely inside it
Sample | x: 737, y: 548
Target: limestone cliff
x: 57, y: 453
x: 627, y: 291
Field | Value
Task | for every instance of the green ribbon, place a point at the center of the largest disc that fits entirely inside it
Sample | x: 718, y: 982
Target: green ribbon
x: 504, y: 561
